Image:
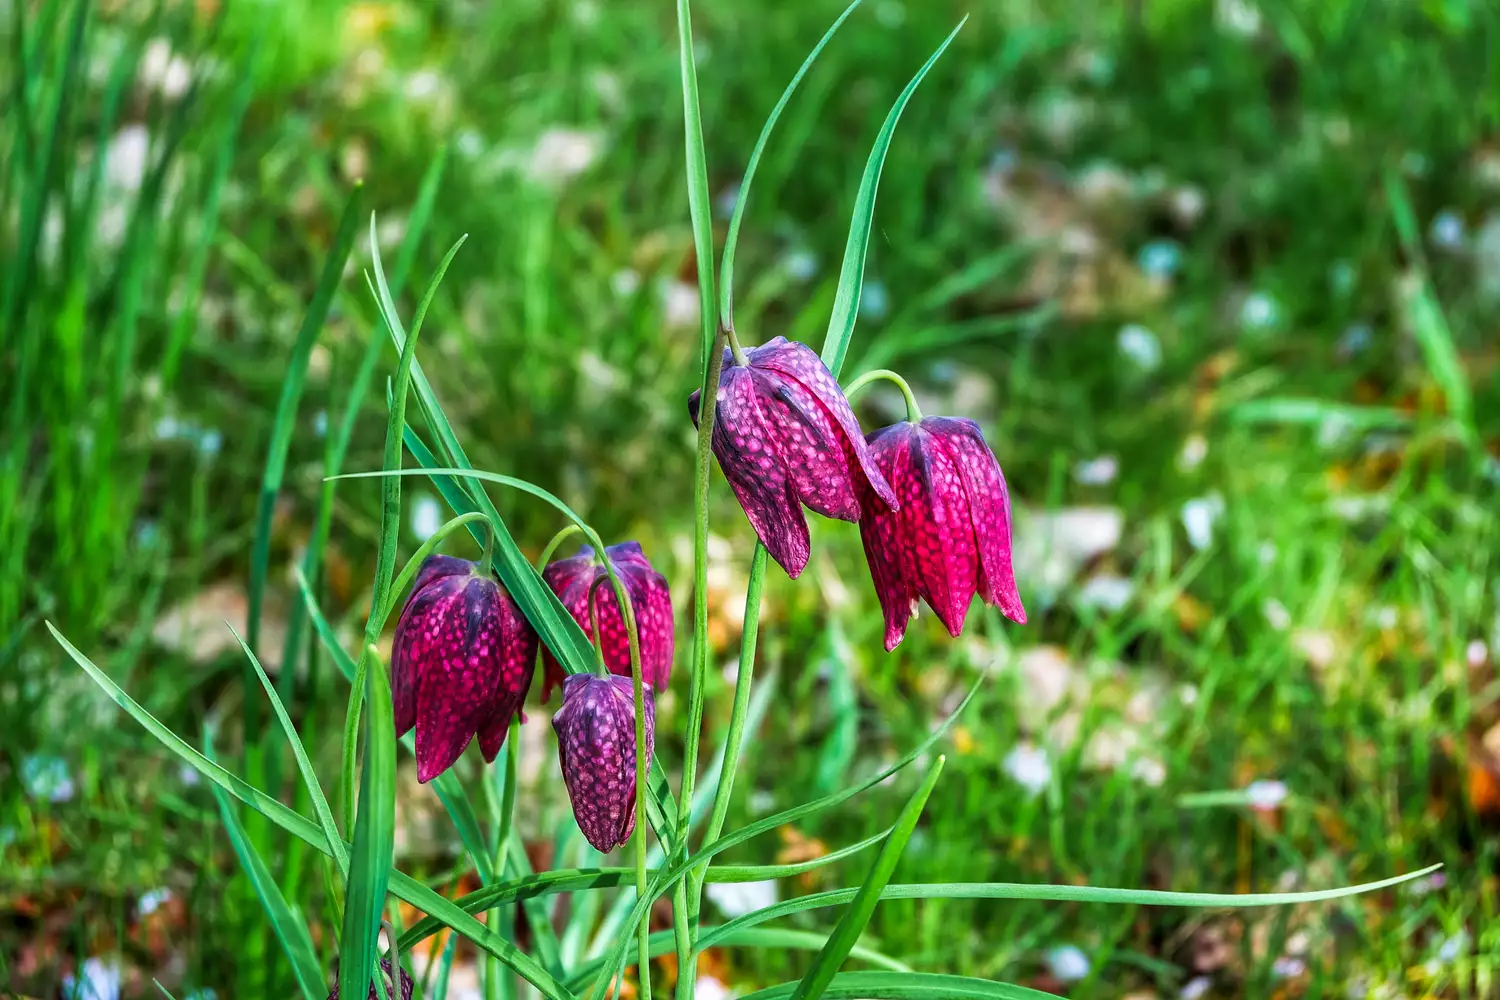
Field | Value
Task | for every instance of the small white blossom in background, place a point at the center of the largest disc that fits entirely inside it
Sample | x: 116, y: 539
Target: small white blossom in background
x: 1237, y: 17
x: 189, y: 776
x: 97, y: 979
x: 800, y: 264
x: 679, y: 302
x: 1288, y: 967
x: 1110, y: 593
x: 625, y: 283
x: 1334, y: 430
x: 735, y: 899
x: 1427, y: 885
x: 874, y: 301
x: 1277, y: 616
x: 163, y: 71
x: 1194, y: 451
x: 126, y: 158
x: 1068, y: 963
x: 709, y: 988
x: 426, y: 518
x: 1029, y: 766
x: 1141, y: 346
x: 1355, y: 340
x: 1453, y: 947
x: 1447, y: 230
x: 47, y: 777
x: 561, y: 154
x: 1160, y: 259
x: 761, y: 802
x: 1199, y: 516
x: 152, y: 901
x: 320, y: 423
x: 469, y: 143
x: 726, y: 200
x: 1259, y: 312
x: 1195, y: 988
x: 1477, y: 653
x: 1265, y: 795
x: 1099, y: 471
x: 1149, y: 771
x: 1187, y: 204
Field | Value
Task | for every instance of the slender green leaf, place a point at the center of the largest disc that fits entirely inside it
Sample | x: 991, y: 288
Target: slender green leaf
x: 290, y: 929
x: 374, y: 839
x: 852, y: 272
x: 1316, y: 412
x: 731, y: 241
x: 304, y: 765
x: 852, y: 924
x: 759, y: 937
x: 908, y: 986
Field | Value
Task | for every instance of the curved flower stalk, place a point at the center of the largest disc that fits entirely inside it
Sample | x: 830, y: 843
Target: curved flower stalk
x: 951, y: 537
x: 786, y: 438
x: 461, y: 663
x: 596, y: 746
x: 574, y: 578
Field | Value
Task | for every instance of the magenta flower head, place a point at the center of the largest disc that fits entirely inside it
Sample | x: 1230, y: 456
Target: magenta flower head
x: 574, y: 579
x: 596, y: 747
x: 461, y: 663
x: 786, y: 438
x: 385, y: 969
x: 951, y: 537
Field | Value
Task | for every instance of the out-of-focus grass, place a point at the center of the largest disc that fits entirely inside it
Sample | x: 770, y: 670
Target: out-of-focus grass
x: 1211, y: 183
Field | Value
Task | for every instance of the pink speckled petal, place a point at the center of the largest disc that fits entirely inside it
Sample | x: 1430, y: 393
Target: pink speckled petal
x: 747, y: 453
x: 939, y: 537
x: 460, y: 656
x: 596, y: 749
x: 880, y: 531
x: 798, y: 362
x: 652, y: 600
x: 810, y: 444
x: 421, y: 617
x: 516, y: 664
x: 989, y: 511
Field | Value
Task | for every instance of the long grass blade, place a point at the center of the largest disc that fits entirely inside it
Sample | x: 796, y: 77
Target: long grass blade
x: 909, y: 986
x: 852, y: 924
x: 852, y: 272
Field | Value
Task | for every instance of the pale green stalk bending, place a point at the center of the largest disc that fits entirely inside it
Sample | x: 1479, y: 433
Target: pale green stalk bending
x: 554, y: 543
x: 913, y: 411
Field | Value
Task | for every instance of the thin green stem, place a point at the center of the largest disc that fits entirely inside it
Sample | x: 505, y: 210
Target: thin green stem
x: 734, y: 347
x: 600, y: 667
x: 554, y: 543
x: 913, y: 412
x: 489, y: 550
x: 742, y: 684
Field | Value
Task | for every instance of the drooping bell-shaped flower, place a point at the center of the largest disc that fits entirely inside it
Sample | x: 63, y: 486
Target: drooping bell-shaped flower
x: 951, y: 537
x: 786, y: 438
x: 461, y: 663
x: 574, y: 579
x: 596, y: 747
x: 385, y: 969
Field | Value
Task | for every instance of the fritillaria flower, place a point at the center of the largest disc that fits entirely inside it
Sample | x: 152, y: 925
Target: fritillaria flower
x: 462, y: 661
x: 596, y: 747
x: 786, y: 438
x: 951, y: 537
x: 385, y: 968
x: 574, y: 579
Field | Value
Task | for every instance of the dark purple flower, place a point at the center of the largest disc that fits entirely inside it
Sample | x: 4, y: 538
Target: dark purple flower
x: 385, y: 967
x: 461, y: 663
x: 572, y: 580
x: 596, y: 747
x: 951, y: 537
x: 786, y: 437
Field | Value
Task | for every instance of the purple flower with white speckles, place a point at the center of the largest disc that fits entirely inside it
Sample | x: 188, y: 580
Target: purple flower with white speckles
x: 786, y: 437
x: 950, y: 539
x: 385, y: 967
x: 461, y: 663
x: 596, y: 747
x: 572, y: 580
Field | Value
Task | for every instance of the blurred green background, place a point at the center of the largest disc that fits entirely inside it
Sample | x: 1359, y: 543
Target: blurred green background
x: 1221, y: 281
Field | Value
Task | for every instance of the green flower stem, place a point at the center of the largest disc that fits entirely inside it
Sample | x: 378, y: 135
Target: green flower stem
x: 734, y: 347
x: 374, y: 627
x: 742, y: 683
x: 601, y: 669
x: 567, y: 531
x: 913, y: 412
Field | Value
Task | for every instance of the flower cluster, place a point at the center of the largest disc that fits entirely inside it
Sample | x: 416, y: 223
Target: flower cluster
x: 934, y: 516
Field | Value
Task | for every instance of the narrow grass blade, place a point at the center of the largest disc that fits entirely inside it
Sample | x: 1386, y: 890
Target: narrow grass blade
x: 908, y: 986
x: 304, y: 765
x: 731, y: 241
x: 756, y: 937
x: 1059, y: 893
x: 374, y: 839
x: 290, y: 929
x: 852, y: 272
x: 852, y: 924
x: 285, y: 423
x: 401, y: 885
x: 699, y: 200
x: 1316, y: 412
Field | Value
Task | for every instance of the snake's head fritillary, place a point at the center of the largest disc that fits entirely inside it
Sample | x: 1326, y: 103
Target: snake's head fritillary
x: 596, y: 748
